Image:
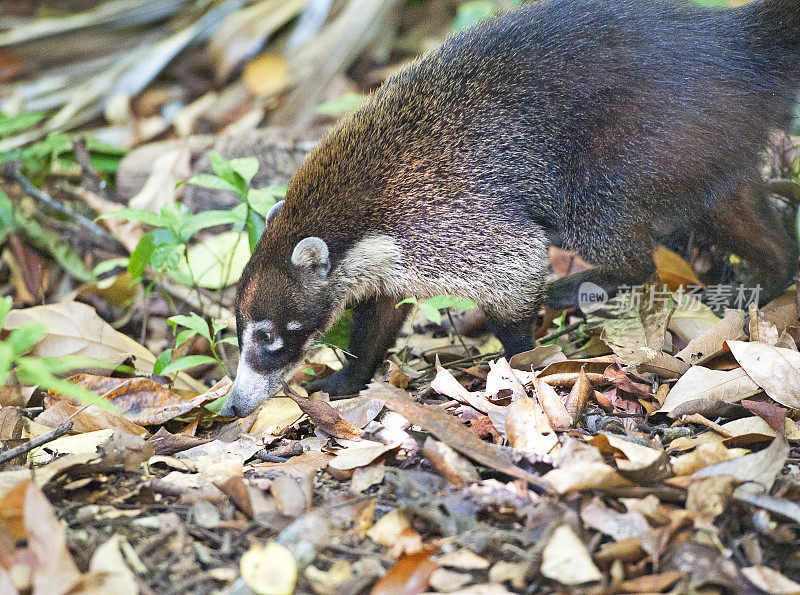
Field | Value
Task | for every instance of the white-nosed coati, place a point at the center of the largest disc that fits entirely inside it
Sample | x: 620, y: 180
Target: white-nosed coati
x: 602, y: 123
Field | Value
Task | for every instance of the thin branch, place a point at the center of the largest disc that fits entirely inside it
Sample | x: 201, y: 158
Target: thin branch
x: 54, y: 205
x: 12, y: 453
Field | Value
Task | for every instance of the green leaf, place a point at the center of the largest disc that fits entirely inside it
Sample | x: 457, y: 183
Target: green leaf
x: 408, y: 300
x: 162, y: 361
x: 5, y: 308
x: 140, y: 257
x: 222, y: 167
x: 471, y: 13
x: 229, y: 341
x: 32, y: 370
x: 215, y: 263
x: 166, y: 256
x: 141, y: 215
x: 205, y: 220
x: 441, y: 302
x: 8, y: 220
x: 338, y: 107
x: 13, y: 124
x: 215, y: 406
x: 184, y: 336
x: 261, y: 200
x: 212, y: 182
x: 431, y: 312
x: 190, y: 361
x: 246, y: 167
x: 255, y: 227
x: 217, y: 326
x: 109, y: 265
x: 193, y: 321
x: 26, y: 336
x: 339, y: 333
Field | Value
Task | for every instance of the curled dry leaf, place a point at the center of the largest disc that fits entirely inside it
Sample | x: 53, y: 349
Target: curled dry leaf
x: 446, y: 384
x: 638, y: 463
x: 771, y: 581
x: 758, y: 469
x: 553, y: 406
x: 269, y: 569
x: 411, y: 574
x: 539, y: 357
x: 75, y: 329
x: 88, y: 418
x: 775, y: 369
x: 360, y: 454
x: 324, y: 416
x: 457, y: 470
x: 578, y: 396
x: 501, y: 377
x: 617, y: 525
x: 674, y: 270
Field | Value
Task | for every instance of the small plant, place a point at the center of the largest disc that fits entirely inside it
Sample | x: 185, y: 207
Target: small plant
x: 433, y: 307
x: 193, y: 325
x: 42, y: 372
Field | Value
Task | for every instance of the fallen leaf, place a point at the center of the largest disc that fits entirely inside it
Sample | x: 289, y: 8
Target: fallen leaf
x: 265, y: 75
x: 457, y: 470
x: 108, y: 562
x: 701, y: 383
x: 774, y: 369
x: 269, y: 569
x: 770, y: 581
x: 617, y: 525
x: 539, y: 357
x: 75, y: 329
x: 552, y: 405
x: 711, y: 342
x: 386, y: 531
x: 87, y: 418
x: 758, y: 470
x: 674, y: 270
x: 325, y: 417
x: 651, y: 583
x: 528, y: 428
x: 410, y: 575
x: 502, y: 378
x: 449, y: 430
x: 463, y: 559
x: 446, y: 384
x: 360, y: 454
x: 566, y: 560
x: 578, y: 396
x: 275, y: 416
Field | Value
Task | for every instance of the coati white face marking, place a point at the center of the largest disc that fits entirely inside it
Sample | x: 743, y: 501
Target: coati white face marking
x: 273, y: 294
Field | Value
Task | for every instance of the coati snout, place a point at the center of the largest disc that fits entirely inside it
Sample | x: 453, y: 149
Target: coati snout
x: 599, y: 122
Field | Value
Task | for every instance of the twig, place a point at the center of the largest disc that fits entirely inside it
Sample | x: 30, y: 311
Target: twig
x: 12, y: 453
x: 89, y: 176
x: 560, y: 332
x: 54, y: 205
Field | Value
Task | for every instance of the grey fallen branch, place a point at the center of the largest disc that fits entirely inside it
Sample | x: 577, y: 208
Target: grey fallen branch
x: 61, y: 429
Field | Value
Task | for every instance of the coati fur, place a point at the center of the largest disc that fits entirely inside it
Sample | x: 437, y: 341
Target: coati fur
x: 599, y: 125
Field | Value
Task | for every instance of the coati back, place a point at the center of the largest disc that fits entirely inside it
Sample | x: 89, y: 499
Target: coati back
x: 597, y: 124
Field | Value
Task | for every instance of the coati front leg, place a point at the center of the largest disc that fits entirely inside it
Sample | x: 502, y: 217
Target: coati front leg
x: 376, y: 322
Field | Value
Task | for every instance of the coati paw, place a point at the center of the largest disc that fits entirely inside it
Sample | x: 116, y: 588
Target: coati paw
x: 338, y: 384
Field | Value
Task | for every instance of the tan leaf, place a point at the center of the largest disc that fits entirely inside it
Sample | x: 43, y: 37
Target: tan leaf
x: 266, y: 75
x: 566, y: 560
x: 578, y: 396
x: 674, y: 270
x: 269, y: 569
x: 553, y: 406
x: 528, y: 428
x: 758, y: 469
x: 446, y: 384
x: 75, y: 329
x: 90, y: 419
x: 701, y: 383
x: 360, y: 454
x: 501, y: 377
x: 774, y: 369
x: 707, y: 345
x: 771, y: 581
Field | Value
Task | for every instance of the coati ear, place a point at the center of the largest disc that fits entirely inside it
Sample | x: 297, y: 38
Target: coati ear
x: 273, y: 212
x: 311, y: 254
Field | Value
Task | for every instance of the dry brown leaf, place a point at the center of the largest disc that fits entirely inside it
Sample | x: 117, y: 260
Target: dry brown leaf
x: 411, y: 574
x: 275, y: 416
x: 269, y: 569
x: 446, y: 384
x: 674, y: 270
x: 360, y: 454
x: 651, y: 583
x: 141, y: 400
x: 770, y: 580
x: 638, y: 463
x: 89, y: 419
x: 578, y: 396
x: 386, y: 531
x: 325, y: 417
x: 75, y: 329
x: 108, y: 571
x: 457, y: 470
x: 539, y: 357
x: 701, y: 383
x: 463, y: 559
x: 528, y: 429
x: 501, y: 377
x: 448, y: 429
x: 566, y: 560
x: 710, y: 343
x: 774, y: 369
x: 617, y: 525
x: 704, y: 455
x: 266, y: 75
x: 553, y: 406
x: 758, y: 470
